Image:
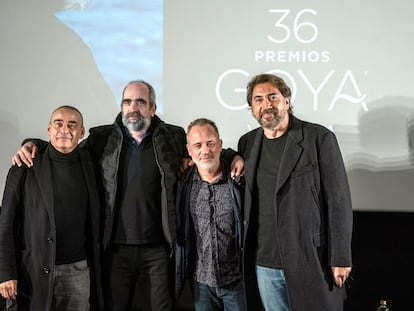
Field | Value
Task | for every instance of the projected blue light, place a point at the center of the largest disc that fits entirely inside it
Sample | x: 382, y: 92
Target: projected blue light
x: 125, y: 38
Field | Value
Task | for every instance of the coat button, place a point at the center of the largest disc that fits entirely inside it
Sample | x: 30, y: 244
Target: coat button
x: 46, y: 270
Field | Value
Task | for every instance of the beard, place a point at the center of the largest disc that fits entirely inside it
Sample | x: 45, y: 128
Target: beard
x: 207, y: 166
x: 207, y: 163
x: 134, y: 121
x: 272, y: 122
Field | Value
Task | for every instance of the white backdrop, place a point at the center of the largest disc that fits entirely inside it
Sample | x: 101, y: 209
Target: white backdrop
x: 349, y: 65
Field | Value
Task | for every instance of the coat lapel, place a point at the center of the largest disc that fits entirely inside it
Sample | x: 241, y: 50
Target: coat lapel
x: 292, y: 152
x: 43, y: 173
x: 251, y: 162
x: 89, y: 175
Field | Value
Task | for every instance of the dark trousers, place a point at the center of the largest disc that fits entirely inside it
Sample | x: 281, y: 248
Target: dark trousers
x: 72, y: 285
x: 71, y: 290
x: 130, y: 265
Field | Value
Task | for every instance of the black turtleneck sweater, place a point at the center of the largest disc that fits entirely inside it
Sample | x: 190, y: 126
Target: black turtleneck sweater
x: 70, y: 202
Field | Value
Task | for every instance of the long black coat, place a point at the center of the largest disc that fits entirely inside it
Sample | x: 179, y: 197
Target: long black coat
x: 28, y: 233
x: 314, y: 215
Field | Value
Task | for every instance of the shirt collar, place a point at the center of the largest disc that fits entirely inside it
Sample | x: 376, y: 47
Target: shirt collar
x: 220, y: 179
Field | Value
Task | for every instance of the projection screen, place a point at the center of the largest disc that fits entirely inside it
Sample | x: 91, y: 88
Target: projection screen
x: 349, y: 65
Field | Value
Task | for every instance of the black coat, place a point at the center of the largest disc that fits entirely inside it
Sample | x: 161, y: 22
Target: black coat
x: 314, y: 215
x: 28, y: 233
x: 105, y: 144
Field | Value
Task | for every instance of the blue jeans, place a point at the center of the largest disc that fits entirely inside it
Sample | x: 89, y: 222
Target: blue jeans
x: 71, y: 287
x: 272, y: 289
x: 228, y: 298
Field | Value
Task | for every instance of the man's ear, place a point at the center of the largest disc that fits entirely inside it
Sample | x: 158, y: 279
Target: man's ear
x: 287, y: 101
x: 153, y: 110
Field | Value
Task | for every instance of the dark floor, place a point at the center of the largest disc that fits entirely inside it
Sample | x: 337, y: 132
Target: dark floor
x: 383, y: 256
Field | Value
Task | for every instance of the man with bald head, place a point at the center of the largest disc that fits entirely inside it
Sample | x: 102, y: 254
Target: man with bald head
x: 49, y: 224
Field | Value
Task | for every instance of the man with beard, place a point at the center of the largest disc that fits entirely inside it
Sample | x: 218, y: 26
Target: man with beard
x: 298, y: 214
x: 209, y: 231
x: 139, y: 158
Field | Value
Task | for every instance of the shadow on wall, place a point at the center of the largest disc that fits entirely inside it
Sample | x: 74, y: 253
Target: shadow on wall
x: 46, y: 65
x: 382, y: 176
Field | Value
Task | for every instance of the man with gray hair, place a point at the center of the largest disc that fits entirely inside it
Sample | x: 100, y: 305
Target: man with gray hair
x: 298, y: 214
x: 209, y: 232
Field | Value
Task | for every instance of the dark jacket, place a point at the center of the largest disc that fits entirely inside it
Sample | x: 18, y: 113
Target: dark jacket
x: 185, y: 247
x: 169, y: 141
x: 314, y: 215
x: 28, y: 233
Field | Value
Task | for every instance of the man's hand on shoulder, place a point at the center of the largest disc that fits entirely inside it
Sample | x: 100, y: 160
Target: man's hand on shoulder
x: 25, y: 155
x: 237, y: 167
x: 185, y: 163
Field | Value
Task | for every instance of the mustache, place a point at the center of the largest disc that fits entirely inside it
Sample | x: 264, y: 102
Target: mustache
x: 268, y: 110
x: 134, y: 114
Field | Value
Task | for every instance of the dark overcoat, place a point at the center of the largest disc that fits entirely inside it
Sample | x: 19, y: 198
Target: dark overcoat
x: 28, y: 233
x: 105, y: 144
x: 313, y: 215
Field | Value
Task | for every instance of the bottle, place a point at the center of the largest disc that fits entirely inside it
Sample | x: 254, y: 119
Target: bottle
x: 383, y: 306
